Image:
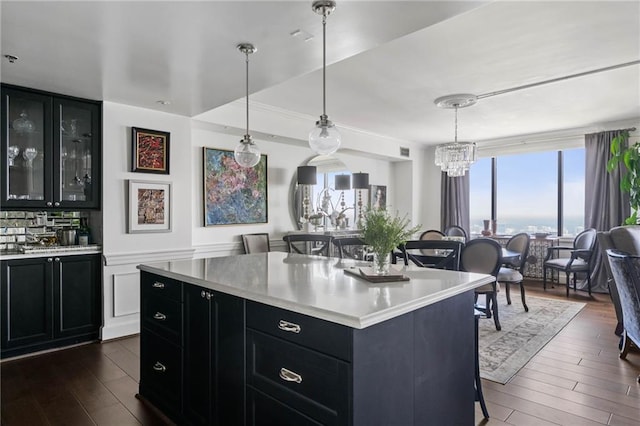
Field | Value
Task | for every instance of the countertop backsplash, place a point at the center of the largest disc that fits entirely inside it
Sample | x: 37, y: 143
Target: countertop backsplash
x: 21, y: 228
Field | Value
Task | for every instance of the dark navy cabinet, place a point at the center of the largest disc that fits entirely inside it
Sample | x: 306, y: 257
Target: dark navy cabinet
x: 49, y: 302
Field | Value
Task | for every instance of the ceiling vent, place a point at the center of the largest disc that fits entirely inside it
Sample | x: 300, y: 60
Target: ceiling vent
x: 404, y: 152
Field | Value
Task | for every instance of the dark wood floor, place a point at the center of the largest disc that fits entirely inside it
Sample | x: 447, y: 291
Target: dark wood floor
x: 577, y: 379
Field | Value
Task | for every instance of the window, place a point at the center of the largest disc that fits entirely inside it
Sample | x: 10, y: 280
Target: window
x: 528, y: 192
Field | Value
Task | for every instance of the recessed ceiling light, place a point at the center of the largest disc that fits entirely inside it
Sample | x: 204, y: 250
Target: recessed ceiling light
x: 301, y: 34
x: 161, y: 102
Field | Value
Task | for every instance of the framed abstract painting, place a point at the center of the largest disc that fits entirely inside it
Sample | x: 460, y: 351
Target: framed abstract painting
x: 233, y: 194
x: 149, y: 207
x: 150, y: 151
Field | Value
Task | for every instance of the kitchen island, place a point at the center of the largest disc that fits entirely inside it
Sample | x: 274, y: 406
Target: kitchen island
x: 277, y: 338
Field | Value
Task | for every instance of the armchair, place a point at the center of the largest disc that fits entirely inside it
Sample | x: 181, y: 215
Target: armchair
x: 580, y: 259
x: 626, y: 273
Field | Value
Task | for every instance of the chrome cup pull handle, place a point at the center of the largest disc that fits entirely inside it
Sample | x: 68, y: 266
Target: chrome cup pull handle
x: 159, y: 367
x: 290, y: 376
x: 289, y: 327
x: 159, y: 316
x: 158, y: 285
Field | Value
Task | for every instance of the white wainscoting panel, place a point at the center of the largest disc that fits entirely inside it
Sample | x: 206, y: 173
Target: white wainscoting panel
x: 126, y: 294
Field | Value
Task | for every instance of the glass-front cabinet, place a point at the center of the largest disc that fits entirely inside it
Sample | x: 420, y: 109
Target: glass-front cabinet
x: 50, y: 150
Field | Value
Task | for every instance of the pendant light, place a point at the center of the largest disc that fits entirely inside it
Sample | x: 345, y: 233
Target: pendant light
x: 324, y: 138
x: 247, y: 153
x: 455, y: 157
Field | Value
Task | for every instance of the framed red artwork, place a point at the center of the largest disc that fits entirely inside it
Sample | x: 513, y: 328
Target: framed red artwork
x: 150, y: 151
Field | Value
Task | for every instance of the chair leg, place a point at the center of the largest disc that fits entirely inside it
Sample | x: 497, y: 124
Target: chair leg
x: 568, y: 284
x: 494, y: 309
x: 508, y: 292
x: 479, y: 395
x: 544, y: 278
x: 589, y: 282
x: 625, y: 345
x: 524, y: 303
x: 487, y: 304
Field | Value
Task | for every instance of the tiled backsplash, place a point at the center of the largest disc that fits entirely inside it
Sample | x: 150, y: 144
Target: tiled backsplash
x: 20, y: 227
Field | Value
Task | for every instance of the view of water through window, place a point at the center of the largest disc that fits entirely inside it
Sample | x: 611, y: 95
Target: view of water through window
x: 527, y: 193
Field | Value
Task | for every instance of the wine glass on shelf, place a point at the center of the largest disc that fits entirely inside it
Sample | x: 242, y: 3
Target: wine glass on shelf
x: 12, y: 152
x: 29, y: 154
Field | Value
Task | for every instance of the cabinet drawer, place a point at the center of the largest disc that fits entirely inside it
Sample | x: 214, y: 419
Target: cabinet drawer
x: 263, y: 410
x: 166, y: 287
x: 308, y: 381
x: 160, y: 371
x: 324, y: 336
x: 163, y: 317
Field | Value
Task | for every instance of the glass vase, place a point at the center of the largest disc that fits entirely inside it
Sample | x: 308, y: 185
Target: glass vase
x: 381, y: 263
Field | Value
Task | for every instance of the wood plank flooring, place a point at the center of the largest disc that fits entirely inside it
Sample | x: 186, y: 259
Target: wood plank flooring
x: 577, y: 379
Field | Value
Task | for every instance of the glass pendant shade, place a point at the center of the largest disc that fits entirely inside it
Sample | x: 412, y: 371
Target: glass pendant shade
x: 246, y: 152
x: 324, y: 138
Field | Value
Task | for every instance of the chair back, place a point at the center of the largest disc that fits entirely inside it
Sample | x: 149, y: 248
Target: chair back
x: 431, y: 234
x: 317, y: 244
x: 256, y: 243
x: 455, y: 231
x: 482, y: 255
x: 625, y: 269
x: 519, y: 243
x: 445, y: 253
x: 586, y: 240
x: 351, y: 248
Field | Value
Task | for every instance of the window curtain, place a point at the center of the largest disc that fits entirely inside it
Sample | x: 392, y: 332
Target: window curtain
x: 605, y: 204
x: 454, y: 204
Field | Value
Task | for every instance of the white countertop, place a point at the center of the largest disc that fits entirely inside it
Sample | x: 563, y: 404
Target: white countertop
x: 56, y: 251
x: 318, y: 286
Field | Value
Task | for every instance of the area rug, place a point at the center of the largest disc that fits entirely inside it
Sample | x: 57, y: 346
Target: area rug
x: 503, y: 353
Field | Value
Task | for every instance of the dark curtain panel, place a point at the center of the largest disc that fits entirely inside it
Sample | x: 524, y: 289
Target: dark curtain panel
x: 605, y: 204
x: 454, y: 204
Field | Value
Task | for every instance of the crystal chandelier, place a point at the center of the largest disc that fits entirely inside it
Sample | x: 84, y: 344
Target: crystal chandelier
x: 324, y: 138
x: 455, y: 157
x: 247, y: 153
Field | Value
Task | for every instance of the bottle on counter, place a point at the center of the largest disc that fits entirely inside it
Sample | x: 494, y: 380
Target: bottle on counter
x: 84, y: 232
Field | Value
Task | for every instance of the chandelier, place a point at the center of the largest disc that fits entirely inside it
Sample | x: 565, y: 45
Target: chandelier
x: 247, y: 153
x: 455, y: 157
x: 324, y: 138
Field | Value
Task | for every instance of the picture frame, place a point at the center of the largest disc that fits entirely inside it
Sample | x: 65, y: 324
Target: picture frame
x: 149, y: 207
x: 378, y: 197
x: 149, y: 151
x: 233, y: 195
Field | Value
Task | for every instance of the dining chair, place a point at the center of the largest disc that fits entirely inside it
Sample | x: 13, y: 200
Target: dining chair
x: 352, y: 248
x: 317, y: 244
x: 512, y: 272
x: 580, y: 259
x: 484, y: 255
x: 455, y: 231
x: 256, y: 243
x: 445, y: 254
x: 430, y: 234
x: 625, y: 269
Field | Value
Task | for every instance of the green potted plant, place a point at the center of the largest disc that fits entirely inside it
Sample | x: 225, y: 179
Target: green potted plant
x: 630, y: 157
x: 383, y: 233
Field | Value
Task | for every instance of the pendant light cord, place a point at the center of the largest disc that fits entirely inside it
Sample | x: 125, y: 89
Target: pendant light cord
x: 247, y: 87
x: 324, y: 62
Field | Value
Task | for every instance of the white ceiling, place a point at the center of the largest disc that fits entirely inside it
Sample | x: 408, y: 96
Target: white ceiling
x: 388, y: 60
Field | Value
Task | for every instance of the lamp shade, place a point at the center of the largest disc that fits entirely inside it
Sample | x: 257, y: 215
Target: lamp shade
x: 361, y: 180
x: 343, y: 182
x: 307, y: 175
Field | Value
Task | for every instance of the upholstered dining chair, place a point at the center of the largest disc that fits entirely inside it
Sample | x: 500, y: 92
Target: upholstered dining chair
x: 317, y: 244
x: 446, y: 254
x: 484, y: 255
x: 256, y: 243
x: 625, y: 269
x: 579, y: 261
x: 430, y: 234
x: 351, y: 248
x: 455, y: 231
x: 512, y: 272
